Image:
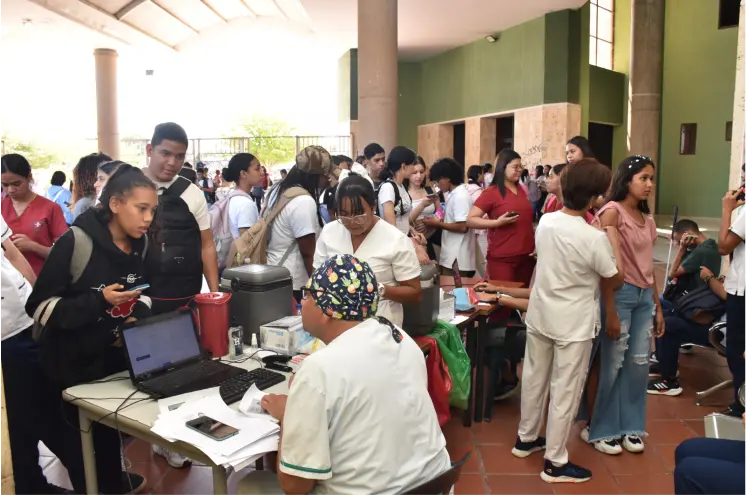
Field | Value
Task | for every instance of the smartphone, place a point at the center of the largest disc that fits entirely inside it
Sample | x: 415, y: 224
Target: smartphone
x: 141, y: 287
x: 512, y: 214
x: 212, y: 428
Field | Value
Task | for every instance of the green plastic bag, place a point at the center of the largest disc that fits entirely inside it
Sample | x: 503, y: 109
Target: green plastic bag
x: 452, y: 349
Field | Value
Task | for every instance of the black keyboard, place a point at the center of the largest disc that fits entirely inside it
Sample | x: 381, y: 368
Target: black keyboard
x: 188, y: 375
x: 234, y: 388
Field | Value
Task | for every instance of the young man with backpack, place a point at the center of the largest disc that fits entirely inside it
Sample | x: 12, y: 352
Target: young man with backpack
x: 182, y: 249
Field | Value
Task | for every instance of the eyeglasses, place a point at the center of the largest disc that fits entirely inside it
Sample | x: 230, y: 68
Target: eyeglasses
x: 306, y: 292
x: 357, y: 220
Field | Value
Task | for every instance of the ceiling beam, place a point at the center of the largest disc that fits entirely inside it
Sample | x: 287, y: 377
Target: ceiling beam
x: 129, y: 8
x: 174, y: 16
x: 249, y: 9
x: 43, y: 4
x: 279, y: 9
x: 204, y: 2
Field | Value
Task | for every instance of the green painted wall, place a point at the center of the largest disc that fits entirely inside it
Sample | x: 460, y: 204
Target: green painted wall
x: 584, y: 67
x: 622, y: 40
x: 699, y: 62
x: 410, y: 103
x: 481, y: 77
x: 347, y: 86
x: 607, y: 91
x: 557, y: 57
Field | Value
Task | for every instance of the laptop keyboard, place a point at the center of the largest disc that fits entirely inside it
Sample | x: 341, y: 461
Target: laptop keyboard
x: 186, y: 375
x: 234, y: 388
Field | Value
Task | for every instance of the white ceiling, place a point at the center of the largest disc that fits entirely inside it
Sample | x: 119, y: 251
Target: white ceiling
x: 426, y: 27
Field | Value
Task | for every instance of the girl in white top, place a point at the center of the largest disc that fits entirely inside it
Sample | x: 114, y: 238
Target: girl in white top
x: 476, y: 177
x: 424, y: 201
x: 394, y: 202
x: 359, y: 232
x: 245, y: 171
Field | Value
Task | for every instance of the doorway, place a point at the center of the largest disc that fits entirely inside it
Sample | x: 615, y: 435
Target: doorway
x: 601, y: 138
x: 504, y: 133
x: 459, y: 143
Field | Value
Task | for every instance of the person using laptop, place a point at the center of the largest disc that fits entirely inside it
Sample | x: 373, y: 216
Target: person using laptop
x: 346, y: 430
x: 80, y: 342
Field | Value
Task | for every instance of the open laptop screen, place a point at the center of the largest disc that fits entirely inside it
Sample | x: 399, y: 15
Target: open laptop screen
x: 154, y: 345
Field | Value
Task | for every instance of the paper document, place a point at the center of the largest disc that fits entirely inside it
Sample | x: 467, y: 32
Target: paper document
x: 251, y: 404
x: 459, y: 319
x: 174, y: 402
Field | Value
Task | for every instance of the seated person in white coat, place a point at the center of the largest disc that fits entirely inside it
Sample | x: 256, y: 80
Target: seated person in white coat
x: 358, y: 418
x: 358, y: 231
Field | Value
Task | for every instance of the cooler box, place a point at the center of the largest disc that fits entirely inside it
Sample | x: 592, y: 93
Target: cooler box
x: 261, y: 294
x: 420, y: 318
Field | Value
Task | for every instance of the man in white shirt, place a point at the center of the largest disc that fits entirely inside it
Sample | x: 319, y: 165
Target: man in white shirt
x: 457, y: 243
x: 731, y: 241
x: 358, y: 418
x: 562, y: 319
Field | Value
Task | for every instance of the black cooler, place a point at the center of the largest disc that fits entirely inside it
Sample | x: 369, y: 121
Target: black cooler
x: 261, y: 294
x: 420, y: 318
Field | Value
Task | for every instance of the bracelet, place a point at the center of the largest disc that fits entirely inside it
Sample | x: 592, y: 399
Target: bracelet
x: 708, y: 279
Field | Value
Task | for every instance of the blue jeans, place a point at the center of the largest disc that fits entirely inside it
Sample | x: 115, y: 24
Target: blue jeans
x: 622, y: 387
x: 709, y: 466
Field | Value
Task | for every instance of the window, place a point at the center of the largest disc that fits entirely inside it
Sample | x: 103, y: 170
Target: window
x: 601, y: 51
x: 729, y: 12
x: 688, y: 140
x: 729, y: 131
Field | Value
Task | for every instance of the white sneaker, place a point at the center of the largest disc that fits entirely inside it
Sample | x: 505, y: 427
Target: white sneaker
x: 174, y: 459
x: 633, y: 444
x: 585, y: 434
x: 608, y: 447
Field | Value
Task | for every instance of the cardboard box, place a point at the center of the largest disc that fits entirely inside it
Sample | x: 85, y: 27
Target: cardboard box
x: 288, y: 336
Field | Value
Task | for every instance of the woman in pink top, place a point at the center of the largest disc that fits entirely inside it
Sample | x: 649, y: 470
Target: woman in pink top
x: 619, y: 412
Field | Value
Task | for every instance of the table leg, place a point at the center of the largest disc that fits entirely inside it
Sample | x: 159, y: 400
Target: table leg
x: 479, y: 381
x: 89, y: 455
x: 471, y: 337
x: 219, y: 480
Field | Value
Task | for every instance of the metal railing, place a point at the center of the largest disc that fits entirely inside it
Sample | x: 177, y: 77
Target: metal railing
x: 278, y: 149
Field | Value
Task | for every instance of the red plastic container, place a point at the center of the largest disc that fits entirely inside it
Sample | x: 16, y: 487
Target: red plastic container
x: 214, y: 320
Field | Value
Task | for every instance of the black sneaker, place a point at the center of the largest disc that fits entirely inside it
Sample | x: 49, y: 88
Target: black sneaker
x: 653, y: 358
x: 522, y: 450
x: 566, y: 473
x: 133, y: 483
x: 654, y: 369
x: 730, y: 412
x: 664, y: 387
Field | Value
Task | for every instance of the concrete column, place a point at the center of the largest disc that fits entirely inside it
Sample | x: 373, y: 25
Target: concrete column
x: 378, y: 73
x: 737, y: 152
x: 646, y: 65
x: 106, y: 101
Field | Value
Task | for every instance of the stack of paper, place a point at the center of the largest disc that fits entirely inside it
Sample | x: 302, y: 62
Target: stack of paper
x: 256, y: 436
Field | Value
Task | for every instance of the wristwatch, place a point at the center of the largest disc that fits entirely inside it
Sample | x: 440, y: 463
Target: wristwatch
x: 381, y: 290
x: 707, y: 279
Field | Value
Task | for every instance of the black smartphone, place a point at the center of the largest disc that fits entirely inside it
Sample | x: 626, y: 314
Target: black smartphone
x: 741, y: 194
x: 512, y: 214
x: 212, y: 428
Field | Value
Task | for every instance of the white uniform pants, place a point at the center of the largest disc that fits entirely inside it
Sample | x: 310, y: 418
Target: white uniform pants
x: 556, y: 369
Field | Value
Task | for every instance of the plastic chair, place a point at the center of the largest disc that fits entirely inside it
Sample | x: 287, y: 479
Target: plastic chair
x: 443, y: 483
x: 716, y: 336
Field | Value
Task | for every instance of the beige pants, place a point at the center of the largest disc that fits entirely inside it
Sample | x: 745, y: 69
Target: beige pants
x: 556, y: 369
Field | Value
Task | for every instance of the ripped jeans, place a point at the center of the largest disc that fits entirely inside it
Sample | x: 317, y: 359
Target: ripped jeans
x: 622, y: 387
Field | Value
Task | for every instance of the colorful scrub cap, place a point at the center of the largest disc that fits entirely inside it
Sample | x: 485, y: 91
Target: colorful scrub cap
x: 345, y: 288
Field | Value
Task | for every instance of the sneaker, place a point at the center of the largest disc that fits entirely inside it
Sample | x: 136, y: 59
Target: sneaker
x: 522, y: 450
x: 686, y: 349
x: 654, y: 369
x: 568, y: 472
x: 653, y: 358
x: 664, y: 387
x: 611, y: 447
x: 633, y: 444
x: 730, y: 412
x: 585, y: 434
x: 173, y: 459
x: 133, y: 483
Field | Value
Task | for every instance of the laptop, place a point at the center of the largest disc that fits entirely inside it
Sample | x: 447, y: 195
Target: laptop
x: 165, y: 358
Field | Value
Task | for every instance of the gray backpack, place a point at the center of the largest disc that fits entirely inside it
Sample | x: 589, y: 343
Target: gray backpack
x: 82, y: 250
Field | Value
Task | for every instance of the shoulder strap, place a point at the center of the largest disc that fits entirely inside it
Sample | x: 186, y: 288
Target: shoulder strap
x: 81, y: 253
x: 287, y: 196
x: 178, y: 187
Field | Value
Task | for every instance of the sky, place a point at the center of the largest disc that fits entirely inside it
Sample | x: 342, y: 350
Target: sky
x: 271, y: 69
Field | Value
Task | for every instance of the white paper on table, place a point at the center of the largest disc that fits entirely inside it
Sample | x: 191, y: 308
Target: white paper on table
x: 243, y: 458
x: 251, y: 404
x: 459, y: 319
x: 169, y: 404
x: 173, y: 426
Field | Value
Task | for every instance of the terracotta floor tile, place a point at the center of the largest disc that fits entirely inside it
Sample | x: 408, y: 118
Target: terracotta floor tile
x: 666, y: 452
x: 633, y: 484
x: 56, y: 474
x: 499, y: 431
x: 518, y: 484
x: 660, y: 408
x: 585, y: 455
x: 698, y: 426
x: 194, y: 480
x: 667, y: 432
x: 647, y: 463
x: 471, y: 484
x: 138, y: 451
x: 599, y: 484
x: 474, y: 464
x: 455, y: 433
x: 499, y: 460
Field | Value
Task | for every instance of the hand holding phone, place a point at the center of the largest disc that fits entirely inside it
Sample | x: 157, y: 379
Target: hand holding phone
x: 141, y: 287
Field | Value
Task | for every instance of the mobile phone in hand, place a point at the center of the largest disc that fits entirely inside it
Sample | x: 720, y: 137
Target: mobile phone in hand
x: 512, y: 214
x: 141, y: 287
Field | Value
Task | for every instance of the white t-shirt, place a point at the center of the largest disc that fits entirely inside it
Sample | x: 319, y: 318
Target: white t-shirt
x: 242, y: 213
x: 299, y: 218
x: 195, y: 200
x: 488, y: 179
x: 734, y: 283
x: 386, y: 195
x: 389, y: 253
x: 458, y: 246
x: 572, y: 257
x: 359, y: 419
x: 15, y: 291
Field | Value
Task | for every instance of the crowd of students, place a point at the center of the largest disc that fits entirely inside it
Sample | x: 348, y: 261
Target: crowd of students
x: 353, y: 236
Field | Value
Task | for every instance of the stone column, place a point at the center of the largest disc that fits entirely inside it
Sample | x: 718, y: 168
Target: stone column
x: 378, y: 74
x: 106, y: 101
x: 646, y: 65
x: 737, y: 151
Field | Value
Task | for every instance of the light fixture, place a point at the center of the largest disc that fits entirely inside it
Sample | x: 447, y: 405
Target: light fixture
x: 490, y: 38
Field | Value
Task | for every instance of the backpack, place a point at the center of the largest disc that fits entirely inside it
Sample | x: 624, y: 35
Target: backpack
x: 251, y: 246
x: 220, y: 225
x: 398, y: 203
x: 701, y: 306
x: 82, y: 249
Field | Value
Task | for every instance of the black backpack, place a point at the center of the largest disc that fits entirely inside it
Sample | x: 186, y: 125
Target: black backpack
x: 398, y: 203
x: 174, y: 260
x: 701, y: 305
